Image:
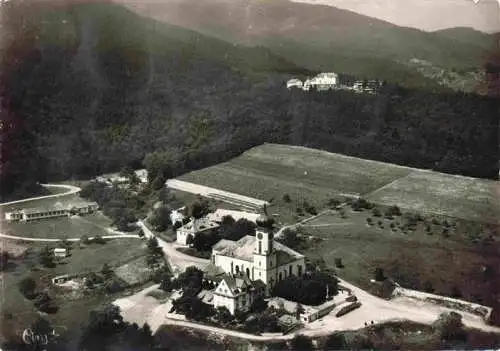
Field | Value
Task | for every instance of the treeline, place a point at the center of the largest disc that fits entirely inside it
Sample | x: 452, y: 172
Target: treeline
x: 91, y: 109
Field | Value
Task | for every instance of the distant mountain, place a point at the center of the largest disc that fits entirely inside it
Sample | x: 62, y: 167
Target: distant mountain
x: 87, y: 88
x: 324, y: 37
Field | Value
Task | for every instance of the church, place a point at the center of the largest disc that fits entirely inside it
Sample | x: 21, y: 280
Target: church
x: 254, y: 263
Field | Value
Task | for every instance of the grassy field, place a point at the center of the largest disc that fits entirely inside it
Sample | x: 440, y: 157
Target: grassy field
x: 59, y: 228
x: 448, y: 195
x: 269, y: 171
x: 18, y: 312
x: 414, y: 258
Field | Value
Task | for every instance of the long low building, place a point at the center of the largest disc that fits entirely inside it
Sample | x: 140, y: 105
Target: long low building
x: 58, y: 210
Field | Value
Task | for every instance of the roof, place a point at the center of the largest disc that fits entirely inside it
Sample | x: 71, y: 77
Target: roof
x: 243, y: 249
x: 213, y: 271
x: 240, y: 282
x: 237, y: 215
x: 201, y: 224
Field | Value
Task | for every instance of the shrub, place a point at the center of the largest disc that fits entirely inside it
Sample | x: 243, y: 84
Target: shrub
x: 333, y: 203
x: 301, y: 343
x: 369, y: 220
x: 99, y: 240
x: 380, y: 223
x: 287, y: 198
x: 376, y: 212
x: 84, y: 240
x: 392, y: 225
x: 27, y: 287
x: 335, y: 341
x: 338, y: 263
x: 379, y: 274
x: 393, y: 211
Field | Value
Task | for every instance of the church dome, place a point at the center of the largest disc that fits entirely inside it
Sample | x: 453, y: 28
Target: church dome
x: 265, y: 221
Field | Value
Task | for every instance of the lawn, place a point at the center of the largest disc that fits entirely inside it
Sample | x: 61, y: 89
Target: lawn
x: 56, y: 228
x: 134, y: 272
x: 269, y: 171
x: 414, y: 259
x: 115, y: 252
x: 448, y: 195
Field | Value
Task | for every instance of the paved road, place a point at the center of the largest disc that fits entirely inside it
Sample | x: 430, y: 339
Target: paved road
x: 177, y: 260
x: 71, y: 190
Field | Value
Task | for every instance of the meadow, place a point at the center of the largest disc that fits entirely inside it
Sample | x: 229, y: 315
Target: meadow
x: 270, y: 171
x: 59, y: 228
x: 425, y: 257
x: 18, y: 312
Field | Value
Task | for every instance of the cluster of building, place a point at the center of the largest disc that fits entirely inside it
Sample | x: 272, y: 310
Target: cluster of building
x: 331, y: 81
x: 58, y: 210
x: 210, y: 222
x: 250, y: 267
x: 142, y: 175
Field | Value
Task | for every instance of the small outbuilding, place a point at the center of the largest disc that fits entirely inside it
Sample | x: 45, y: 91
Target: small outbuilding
x: 60, y: 252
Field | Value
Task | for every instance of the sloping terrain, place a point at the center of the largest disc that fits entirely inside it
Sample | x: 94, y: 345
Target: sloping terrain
x: 325, y: 37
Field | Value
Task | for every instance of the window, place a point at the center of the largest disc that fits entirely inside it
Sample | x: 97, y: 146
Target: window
x: 290, y: 270
x: 280, y: 277
x: 260, y: 274
x: 299, y: 270
x: 260, y: 247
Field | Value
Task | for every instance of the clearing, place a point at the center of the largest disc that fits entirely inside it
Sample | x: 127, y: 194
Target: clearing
x: 270, y: 171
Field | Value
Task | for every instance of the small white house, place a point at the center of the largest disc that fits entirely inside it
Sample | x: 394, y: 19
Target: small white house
x: 60, y: 252
x: 237, y: 292
x: 61, y: 279
x: 322, y: 81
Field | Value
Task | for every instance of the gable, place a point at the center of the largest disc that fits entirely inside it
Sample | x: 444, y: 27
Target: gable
x: 223, y: 289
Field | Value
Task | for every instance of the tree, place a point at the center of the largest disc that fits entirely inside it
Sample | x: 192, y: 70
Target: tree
x: 301, y: 343
x: 237, y: 230
x: 299, y: 309
x: 449, y: 326
x: 258, y: 305
x: 127, y: 172
x: 84, y: 239
x: 335, y: 342
x: 106, y: 271
x: 43, y: 302
x: 160, y: 218
x: 27, y: 287
x: 287, y: 198
x: 379, y: 274
x: 369, y: 220
x: 333, y: 203
x: 4, y: 260
x: 376, y: 212
x: 141, y: 233
x: 227, y: 220
x: 338, y: 263
x: 223, y: 314
x: 46, y: 257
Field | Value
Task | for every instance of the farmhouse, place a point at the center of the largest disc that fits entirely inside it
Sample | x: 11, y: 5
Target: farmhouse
x: 58, y: 210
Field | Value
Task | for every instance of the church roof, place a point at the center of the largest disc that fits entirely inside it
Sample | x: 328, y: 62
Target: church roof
x: 243, y: 249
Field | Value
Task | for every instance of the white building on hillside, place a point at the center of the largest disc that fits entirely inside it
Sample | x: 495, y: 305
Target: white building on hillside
x: 294, y: 83
x: 322, y: 81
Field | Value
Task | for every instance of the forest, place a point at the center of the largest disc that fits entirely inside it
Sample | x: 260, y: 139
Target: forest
x: 90, y: 88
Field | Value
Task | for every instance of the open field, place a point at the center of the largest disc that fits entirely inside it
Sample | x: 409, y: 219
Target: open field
x: 72, y: 312
x: 414, y: 258
x: 269, y: 171
x: 115, y: 252
x: 443, y: 194
x: 56, y: 228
